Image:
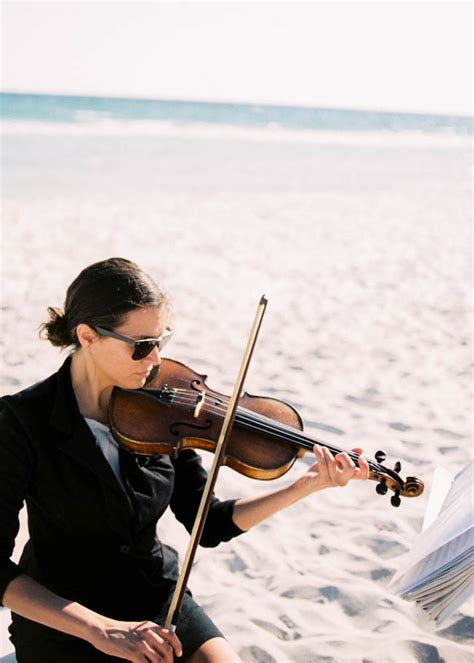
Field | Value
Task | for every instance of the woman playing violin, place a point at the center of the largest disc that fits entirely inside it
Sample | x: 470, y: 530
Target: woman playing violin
x: 93, y: 582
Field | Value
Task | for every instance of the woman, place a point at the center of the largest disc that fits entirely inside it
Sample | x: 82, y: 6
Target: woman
x: 94, y: 581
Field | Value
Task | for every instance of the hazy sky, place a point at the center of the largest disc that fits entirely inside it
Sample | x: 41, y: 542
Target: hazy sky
x: 376, y: 55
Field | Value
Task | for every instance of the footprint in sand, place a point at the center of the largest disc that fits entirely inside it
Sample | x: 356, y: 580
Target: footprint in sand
x: 380, y: 574
x: 352, y: 606
x: 330, y: 592
x: 398, y: 426
x: 304, y: 592
x: 460, y: 631
x: 448, y: 433
x: 363, y: 401
x: 384, y: 626
x: 447, y: 450
x: 383, y: 547
x: 287, y: 621
x: 254, y: 654
x: 279, y: 633
x: 236, y: 564
x: 321, y: 595
x: 413, y: 445
x: 424, y: 653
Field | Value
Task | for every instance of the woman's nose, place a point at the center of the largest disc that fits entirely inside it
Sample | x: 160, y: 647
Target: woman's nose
x: 154, y: 356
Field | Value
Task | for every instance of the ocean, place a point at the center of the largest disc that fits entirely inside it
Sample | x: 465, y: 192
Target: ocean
x: 52, y: 109
x: 65, y: 144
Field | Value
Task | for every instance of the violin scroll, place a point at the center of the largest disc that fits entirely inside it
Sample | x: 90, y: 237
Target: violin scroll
x: 390, y: 479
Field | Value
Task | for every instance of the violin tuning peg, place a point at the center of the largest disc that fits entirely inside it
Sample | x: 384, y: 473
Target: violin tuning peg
x: 395, y: 499
x: 380, y: 456
x: 398, y: 466
x: 381, y: 487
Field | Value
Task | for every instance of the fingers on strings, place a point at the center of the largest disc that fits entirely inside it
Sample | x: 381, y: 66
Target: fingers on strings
x: 341, y: 468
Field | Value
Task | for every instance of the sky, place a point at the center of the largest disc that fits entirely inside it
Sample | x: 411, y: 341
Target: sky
x: 395, y: 56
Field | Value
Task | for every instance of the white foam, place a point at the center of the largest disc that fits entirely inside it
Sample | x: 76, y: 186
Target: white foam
x: 92, y: 125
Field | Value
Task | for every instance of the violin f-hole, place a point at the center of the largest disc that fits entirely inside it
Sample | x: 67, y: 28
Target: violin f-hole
x: 175, y: 428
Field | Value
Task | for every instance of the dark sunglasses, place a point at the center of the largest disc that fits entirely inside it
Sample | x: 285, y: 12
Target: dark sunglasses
x: 143, y: 347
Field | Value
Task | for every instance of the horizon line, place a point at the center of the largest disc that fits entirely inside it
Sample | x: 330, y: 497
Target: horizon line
x: 273, y: 104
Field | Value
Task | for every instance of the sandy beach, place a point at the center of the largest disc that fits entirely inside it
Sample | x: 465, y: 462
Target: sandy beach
x: 363, y: 251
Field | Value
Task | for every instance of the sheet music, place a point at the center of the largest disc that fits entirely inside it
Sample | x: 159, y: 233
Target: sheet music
x: 438, y: 572
x: 436, y: 561
x: 455, y: 603
x: 442, y: 481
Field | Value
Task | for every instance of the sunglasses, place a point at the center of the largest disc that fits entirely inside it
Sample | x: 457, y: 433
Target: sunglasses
x: 141, y: 348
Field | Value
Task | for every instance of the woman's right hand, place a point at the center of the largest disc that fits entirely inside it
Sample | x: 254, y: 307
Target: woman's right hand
x: 139, y: 642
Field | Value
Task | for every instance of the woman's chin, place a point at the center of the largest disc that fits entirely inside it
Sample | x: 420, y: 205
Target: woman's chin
x: 133, y: 381
x: 142, y: 377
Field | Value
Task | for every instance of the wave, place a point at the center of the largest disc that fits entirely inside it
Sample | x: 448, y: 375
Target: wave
x: 92, y: 125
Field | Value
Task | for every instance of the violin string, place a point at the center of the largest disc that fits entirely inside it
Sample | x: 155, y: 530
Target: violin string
x: 248, y: 424
x: 260, y: 423
x: 282, y: 431
x: 258, y: 426
x: 268, y: 424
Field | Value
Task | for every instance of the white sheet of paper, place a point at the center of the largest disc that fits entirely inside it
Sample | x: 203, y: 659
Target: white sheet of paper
x: 442, y: 480
x: 455, y: 518
x: 438, y: 571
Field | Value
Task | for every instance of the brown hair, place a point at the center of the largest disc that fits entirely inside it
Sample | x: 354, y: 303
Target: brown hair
x: 102, y: 294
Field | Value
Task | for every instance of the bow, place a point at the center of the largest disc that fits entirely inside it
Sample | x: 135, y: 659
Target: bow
x: 175, y: 606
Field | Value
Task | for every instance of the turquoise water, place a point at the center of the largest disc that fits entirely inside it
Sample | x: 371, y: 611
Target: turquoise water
x: 71, y: 109
x: 120, y: 149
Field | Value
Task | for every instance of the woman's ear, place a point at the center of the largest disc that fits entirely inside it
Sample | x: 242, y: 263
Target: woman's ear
x: 85, y: 335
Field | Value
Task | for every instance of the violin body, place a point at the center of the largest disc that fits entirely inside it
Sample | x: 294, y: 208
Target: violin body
x: 163, y: 421
x: 177, y: 410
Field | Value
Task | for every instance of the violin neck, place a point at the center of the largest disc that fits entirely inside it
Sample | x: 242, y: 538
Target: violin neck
x: 256, y: 422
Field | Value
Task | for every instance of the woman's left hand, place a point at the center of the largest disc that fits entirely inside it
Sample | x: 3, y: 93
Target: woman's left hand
x: 329, y: 471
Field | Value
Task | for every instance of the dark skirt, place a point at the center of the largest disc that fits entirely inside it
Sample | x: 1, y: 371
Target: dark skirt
x: 35, y: 643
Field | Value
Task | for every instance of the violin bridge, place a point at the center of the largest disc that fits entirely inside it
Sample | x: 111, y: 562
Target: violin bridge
x: 199, y: 403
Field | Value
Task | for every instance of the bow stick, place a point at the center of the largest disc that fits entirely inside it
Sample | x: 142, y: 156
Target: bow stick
x: 175, y: 606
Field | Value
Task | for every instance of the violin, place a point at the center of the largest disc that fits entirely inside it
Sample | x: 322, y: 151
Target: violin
x: 177, y: 410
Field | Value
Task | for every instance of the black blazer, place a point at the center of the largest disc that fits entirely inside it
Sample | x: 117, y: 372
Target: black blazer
x: 90, y: 541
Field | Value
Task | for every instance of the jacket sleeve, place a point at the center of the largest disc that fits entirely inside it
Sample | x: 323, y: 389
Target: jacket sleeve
x: 190, y: 480
x: 16, y: 467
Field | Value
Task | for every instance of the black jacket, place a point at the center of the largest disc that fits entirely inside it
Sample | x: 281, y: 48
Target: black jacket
x: 89, y: 540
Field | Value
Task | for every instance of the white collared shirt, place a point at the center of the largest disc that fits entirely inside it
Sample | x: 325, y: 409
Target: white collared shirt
x: 108, y: 446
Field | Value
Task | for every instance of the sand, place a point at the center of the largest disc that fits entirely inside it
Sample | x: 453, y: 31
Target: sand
x: 364, y: 254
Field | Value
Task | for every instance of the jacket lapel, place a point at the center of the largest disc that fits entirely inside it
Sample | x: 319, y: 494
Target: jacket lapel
x: 78, y: 441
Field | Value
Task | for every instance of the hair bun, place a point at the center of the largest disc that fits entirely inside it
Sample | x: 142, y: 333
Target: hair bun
x: 56, y: 330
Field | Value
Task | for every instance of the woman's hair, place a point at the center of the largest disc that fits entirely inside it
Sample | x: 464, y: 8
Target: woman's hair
x: 101, y: 295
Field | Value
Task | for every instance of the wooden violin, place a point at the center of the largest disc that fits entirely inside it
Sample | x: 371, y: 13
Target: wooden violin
x: 177, y: 410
